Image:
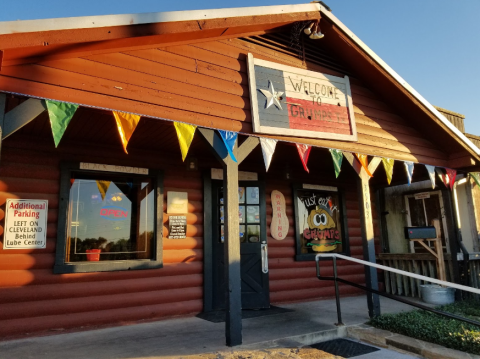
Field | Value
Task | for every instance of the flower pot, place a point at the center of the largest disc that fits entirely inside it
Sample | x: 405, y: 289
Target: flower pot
x: 93, y: 255
x: 435, y: 294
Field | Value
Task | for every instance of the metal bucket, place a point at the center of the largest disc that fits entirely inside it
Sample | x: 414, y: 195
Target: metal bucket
x: 435, y: 294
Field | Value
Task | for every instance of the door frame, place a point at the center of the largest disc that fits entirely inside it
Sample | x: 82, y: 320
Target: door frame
x: 442, y: 213
x: 208, y: 265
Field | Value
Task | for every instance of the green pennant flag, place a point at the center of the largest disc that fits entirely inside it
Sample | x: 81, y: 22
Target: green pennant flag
x: 388, y: 165
x: 337, y: 157
x: 60, y: 114
x: 475, y: 177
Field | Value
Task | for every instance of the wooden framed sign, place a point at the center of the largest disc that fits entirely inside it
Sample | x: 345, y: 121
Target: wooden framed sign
x: 290, y: 101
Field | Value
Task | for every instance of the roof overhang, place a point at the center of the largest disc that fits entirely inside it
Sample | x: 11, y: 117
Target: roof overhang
x: 400, y: 81
x: 95, y: 22
x: 31, y: 40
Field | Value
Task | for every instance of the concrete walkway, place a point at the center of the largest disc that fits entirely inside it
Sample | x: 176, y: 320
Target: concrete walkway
x: 309, y: 323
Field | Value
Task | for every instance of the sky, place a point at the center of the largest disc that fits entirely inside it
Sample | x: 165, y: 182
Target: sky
x: 433, y: 44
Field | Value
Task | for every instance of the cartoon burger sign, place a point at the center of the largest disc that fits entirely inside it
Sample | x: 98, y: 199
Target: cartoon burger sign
x: 319, y: 221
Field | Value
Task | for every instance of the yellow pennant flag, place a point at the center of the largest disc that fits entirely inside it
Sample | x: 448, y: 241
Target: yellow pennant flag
x: 388, y: 165
x: 126, y: 123
x: 103, y: 187
x: 185, y: 136
x: 363, y: 159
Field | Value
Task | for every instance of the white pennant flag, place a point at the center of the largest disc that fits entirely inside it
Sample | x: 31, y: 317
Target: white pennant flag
x: 268, y: 148
x: 431, y: 174
x: 409, y: 169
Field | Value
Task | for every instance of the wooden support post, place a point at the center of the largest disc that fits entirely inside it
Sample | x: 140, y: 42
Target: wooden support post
x: 471, y: 213
x: 233, y: 309
x: 439, y: 249
x: 368, y: 235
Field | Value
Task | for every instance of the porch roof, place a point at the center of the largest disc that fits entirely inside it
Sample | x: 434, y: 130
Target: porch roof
x: 34, y: 41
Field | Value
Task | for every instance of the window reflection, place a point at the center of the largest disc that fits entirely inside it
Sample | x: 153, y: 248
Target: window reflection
x: 110, y: 219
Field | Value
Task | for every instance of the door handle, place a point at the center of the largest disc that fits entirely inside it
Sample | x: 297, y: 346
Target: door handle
x: 264, y: 250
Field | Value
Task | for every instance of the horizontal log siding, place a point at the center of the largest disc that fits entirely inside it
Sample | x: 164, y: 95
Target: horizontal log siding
x: 33, y: 299
x: 206, y: 84
x: 293, y: 281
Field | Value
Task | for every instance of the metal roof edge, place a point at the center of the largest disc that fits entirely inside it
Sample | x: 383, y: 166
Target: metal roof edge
x: 398, y: 78
x: 85, y: 22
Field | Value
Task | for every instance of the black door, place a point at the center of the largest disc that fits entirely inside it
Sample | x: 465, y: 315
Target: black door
x: 253, y: 246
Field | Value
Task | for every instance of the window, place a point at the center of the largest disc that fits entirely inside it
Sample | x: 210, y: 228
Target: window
x: 319, y: 221
x: 109, y: 221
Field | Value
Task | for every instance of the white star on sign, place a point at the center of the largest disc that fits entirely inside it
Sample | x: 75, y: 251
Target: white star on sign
x: 272, y: 96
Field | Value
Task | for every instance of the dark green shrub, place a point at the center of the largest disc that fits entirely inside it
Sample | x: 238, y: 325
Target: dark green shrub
x: 436, y: 329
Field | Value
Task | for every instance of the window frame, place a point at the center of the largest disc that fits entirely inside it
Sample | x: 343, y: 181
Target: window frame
x: 299, y: 256
x: 62, y: 267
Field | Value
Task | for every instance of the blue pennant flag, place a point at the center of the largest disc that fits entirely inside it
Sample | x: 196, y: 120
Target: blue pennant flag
x: 229, y: 138
x: 409, y: 170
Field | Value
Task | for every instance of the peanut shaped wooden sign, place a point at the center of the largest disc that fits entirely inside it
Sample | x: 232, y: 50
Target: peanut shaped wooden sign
x: 279, y: 225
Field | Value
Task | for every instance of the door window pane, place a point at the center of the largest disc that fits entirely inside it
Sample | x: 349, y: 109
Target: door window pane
x: 253, y: 214
x: 243, y: 235
x: 253, y: 234
x: 417, y: 213
x: 241, y: 214
x: 241, y: 194
x: 253, y: 195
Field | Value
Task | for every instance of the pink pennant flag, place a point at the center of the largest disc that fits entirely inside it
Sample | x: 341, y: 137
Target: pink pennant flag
x: 304, y: 152
x: 451, y: 174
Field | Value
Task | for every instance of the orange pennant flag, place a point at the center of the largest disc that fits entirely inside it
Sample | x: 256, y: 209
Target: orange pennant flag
x: 126, y: 123
x: 363, y: 159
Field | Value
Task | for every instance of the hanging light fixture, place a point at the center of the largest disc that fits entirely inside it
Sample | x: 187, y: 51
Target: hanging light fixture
x: 308, y: 30
x: 317, y: 34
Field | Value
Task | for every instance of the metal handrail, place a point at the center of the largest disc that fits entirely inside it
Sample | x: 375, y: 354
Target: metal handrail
x: 335, y: 278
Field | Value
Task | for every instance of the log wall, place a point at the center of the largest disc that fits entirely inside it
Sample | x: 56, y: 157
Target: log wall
x: 33, y: 299
x: 205, y: 84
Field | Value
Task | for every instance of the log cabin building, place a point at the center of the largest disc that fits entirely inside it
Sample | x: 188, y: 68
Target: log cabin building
x: 122, y: 237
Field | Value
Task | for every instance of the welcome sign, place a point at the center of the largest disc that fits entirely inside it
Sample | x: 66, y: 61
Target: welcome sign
x: 290, y: 101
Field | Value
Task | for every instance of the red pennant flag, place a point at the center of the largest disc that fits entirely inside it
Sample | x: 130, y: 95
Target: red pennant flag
x: 304, y: 152
x: 451, y: 177
x: 363, y: 159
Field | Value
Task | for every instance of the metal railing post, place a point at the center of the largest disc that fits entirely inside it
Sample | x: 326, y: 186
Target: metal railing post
x: 337, y: 294
x: 335, y: 278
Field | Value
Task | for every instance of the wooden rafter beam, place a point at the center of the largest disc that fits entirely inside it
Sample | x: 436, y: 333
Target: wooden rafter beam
x: 216, y: 143
x: 460, y: 160
x: 21, y: 115
x: 246, y: 148
x: 372, y: 166
x: 221, y: 152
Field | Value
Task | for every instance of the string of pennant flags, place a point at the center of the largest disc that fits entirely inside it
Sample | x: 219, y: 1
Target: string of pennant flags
x: 61, y: 113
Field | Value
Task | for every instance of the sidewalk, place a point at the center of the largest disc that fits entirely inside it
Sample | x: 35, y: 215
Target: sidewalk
x: 309, y: 323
